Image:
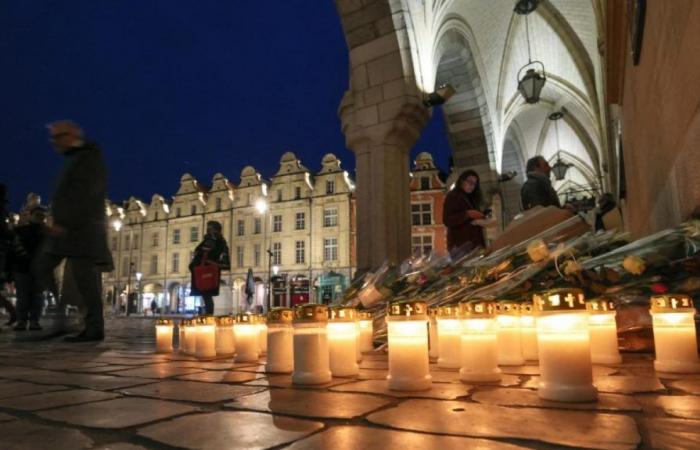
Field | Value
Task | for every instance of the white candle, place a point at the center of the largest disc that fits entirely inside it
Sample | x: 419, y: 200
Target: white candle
x: 262, y: 333
x: 246, y: 334
x: 564, y: 347
x: 191, y: 337
x: 181, y: 331
x: 280, y: 341
x: 510, y: 350
x: 358, y: 352
x: 433, y: 343
x: 311, y: 356
x: 450, y: 331
x: 603, y: 331
x: 409, y: 366
x: 675, y: 341
x: 342, y: 342
x: 479, y: 349
x: 164, y: 336
x: 366, y: 332
x: 206, y: 337
x: 225, y: 340
x: 528, y: 332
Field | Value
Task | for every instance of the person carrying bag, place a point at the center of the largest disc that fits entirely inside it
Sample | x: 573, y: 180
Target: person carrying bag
x: 211, y: 256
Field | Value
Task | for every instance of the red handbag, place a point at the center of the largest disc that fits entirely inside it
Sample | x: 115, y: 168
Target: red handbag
x: 206, y: 275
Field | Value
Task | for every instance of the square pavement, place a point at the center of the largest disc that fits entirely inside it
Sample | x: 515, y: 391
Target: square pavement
x: 120, y: 395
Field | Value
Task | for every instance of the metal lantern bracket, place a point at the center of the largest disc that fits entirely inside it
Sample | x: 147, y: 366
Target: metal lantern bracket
x: 533, y: 63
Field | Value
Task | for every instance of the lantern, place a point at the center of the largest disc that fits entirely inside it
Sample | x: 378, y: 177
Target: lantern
x: 603, y: 330
x: 225, y: 342
x: 450, y: 330
x: 510, y: 350
x: 409, y: 367
x: 206, y: 337
x: 674, y: 334
x: 311, y: 357
x: 246, y: 334
x: 164, y: 336
x: 342, y: 341
x: 479, y: 349
x: 528, y: 332
x: 280, y: 341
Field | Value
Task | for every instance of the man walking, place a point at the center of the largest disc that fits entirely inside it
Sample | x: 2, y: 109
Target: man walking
x: 538, y: 190
x: 78, y: 232
x: 28, y: 241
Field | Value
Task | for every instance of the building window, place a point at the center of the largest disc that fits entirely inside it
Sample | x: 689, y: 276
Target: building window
x: 277, y: 253
x: 300, y: 254
x: 421, y: 214
x: 276, y: 223
x: 154, y: 264
x: 239, y: 256
x: 330, y: 249
x: 156, y: 215
x: 240, y: 227
x: 422, y: 244
x: 257, y: 225
x: 279, y: 195
x: 330, y: 187
x: 193, y: 209
x: 247, y: 199
x: 135, y: 265
x: 178, y: 212
x: 155, y: 239
x: 194, y: 234
x: 330, y: 217
x: 176, y: 236
x: 125, y: 266
x: 256, y: 255
x: 115, y: 244
x: 425, y: 183
x: 176, y: 262
x: 300, y: 221
x: 136, y: 242
x: 127, y: 242
x: 297, y: 193
x: 218, y: 203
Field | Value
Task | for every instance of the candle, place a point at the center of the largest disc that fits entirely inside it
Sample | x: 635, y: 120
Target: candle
x: 674, y: 334
x: 366, y: 331
x: 564, y: 346
x: 342, y: 341
x: 479, y: 349
x: 261, y: 321
x: 280, y: 341
x: 181, y: 332
x: 603, y: 331
x: 206, y: 337
x: 528, y: 332
x: 164, y: 336
x: 190, y: 336
x: 225, y: 341
x: 246, y: 334
x: 433, y: 345
x: 409, y: 366
x: 450, y: 330
x: 311, y: 357
x: 510, y: 350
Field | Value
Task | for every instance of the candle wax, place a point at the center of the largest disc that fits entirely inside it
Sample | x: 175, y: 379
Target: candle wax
x: 206, y: 341
x: 247, y: 346
x: 479, y: 351
x: 311, y: 356
x: 409, y: 366
x: 342, y: 345
x: 510, y: 351
x: 280, y: 349
x: 450, y: 331
x: 675, y: 343
x: 164, y: 338
x: 603, y: 331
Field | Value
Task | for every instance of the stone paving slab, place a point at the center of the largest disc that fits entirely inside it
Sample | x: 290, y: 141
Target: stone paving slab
x: 443, y: 376
x: 443, y: 391
x: 616, y: 384
x: 18, y: 388
x: 100, y: 369
x: 232, y: 429
x: 689, y: 386
x: 192, y: 391
x: 285, y: 381
x: 221, y: 376
x: 25, y: 435
x: 575, y: 429
x: 4, y: 417
x: 53, y: 399
x: 118, y: 413
x: 310, y: 404
x: 598, y: 371
x: 683, y: 406
x: 156, y: 371
x: 673, y: 434
x: 527, y: 397
x: 119, y: 446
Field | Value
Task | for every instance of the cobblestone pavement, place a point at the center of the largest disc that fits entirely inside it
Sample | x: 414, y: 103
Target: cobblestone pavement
x: 119, y: 395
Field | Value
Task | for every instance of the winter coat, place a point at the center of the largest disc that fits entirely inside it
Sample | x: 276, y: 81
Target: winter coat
x: 216, y: 251
x: 538, y: 190
x: 460, y: 229
x: 78, y: 207
x: 28, y: 241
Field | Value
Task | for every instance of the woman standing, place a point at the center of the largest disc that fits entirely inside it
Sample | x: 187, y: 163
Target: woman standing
x: 461, y: 209
x: 212, y: 250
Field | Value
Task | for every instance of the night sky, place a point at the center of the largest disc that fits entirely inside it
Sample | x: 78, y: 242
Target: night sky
x: 167, y: 87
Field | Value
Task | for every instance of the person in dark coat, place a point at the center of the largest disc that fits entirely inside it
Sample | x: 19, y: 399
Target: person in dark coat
x: 28, y: 240
x: 78, y: 232
x: 214, y: 250
x: 537, y: 189
x: 6, y: 238
x: 461, y: 208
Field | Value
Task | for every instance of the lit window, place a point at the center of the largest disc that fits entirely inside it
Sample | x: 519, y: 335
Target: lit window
x: 277, y: 253
x: 300, y: 257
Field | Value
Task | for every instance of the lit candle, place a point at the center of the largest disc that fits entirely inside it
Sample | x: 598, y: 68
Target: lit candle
x: 603, y: 330
x: 190, y: 336
x: 510, y: 349
x: 261, y: 321
x: 433, y: 343
x: 479, y: 349
x: 181, y: 332
x: 528, y: 332
x: 311, y: 357
x: 164, y: 336
x: 450, y: 330
x: 564, y: 346
x: 409, y: 366
x: 366, y: 331
x: 206, y: 337
x: 342, y: 341
x: 246, y: 334
x: 280, y: 341
x: 674, y: 334
x: 225, y: 341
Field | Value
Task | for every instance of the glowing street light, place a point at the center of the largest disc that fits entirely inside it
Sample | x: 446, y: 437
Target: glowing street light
x: 261, y: 205
x: 117, y: 225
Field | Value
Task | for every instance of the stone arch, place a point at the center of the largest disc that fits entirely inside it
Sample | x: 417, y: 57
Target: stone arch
x: 512, y: 161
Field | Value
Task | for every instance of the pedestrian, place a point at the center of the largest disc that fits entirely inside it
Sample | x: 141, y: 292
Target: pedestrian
x: 28, y: 240
x: 212, y: 250
x: 461, y: 212
x: 79, y: 231
x: 6, y: 238
x: 537, y: 189
x: 154, y: 306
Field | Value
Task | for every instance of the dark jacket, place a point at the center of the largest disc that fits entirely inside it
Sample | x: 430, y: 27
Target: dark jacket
x: 5, y: 244
x: 216, y: 251
x: 28, y: 241
x: 460, y: 229
x: 538, y: 190
x: 78, y: 206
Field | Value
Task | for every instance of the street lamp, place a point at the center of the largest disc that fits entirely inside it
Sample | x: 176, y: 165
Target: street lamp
x: 262, y: 207
x: 138, y: 276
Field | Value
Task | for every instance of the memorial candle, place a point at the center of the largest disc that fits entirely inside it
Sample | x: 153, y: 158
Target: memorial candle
x: 564, y: 346
x: 675, y: 341
x: 366, y: 331
x: 450, y: 330
x: 190, y: 336
x: 342, y: 341
x: 479, y: 349
x: 311, y: 357
x: 261, y: 321
x: 433, y: 343
x: 181, y: 333
x: 164, y: 336
x: 510, y: 350
x: 225, y: 341
x: 246, y: 334
x: 528, y: 332
x: 206, y: 337
x: 603, y: 331
x: 280, y: 341
x: 409, y: 366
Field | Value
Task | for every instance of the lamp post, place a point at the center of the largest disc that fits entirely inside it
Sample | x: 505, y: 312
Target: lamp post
x: 263, y: 208
x: 139, y: 275
x: 117, y: 225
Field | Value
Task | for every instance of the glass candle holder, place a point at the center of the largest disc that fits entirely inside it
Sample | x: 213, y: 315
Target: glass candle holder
x: 225, y: 340
x: 675, y: 341
x: 603, y: 330
x: 164, y: 336
x: 181, y: 335
x: 206, y: 337
x: 450, y: 330
x: 510, y: 348
x: 528, y: 332
x: 246, y: 334
x: 342, y: 341
x: 280, y: 341
x: 433, y: 343
x: 409, y: 366
x: 366, y: 326
x: 261, y: 321
x: 191, y: 337
x: 566, y: 373
x: 479, y: 349
x: 311, y: 357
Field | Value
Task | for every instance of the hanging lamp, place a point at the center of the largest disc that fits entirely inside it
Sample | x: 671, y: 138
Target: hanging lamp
x: 559, y: 168
x: 531, y: 82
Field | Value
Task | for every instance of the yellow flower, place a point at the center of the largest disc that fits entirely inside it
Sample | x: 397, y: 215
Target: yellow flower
x: 537, y: 250
x: 571, y: 268
x: 634, y: 265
